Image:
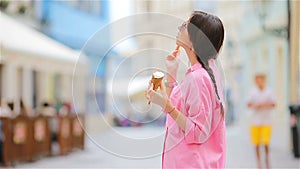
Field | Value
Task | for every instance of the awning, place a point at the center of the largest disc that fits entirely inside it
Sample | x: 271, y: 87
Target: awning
x: 15, y: 36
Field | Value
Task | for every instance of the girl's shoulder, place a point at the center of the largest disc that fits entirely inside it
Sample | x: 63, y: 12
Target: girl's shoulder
x: 197, y: 78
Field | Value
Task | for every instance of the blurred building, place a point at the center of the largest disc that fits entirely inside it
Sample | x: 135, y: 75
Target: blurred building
x: 230, y: 57
x: 37, y: 69
x: 294, y: 61
x: 77, y: 24
x: 263, y: 48
x: 257, y: 41
x: 119, y: 47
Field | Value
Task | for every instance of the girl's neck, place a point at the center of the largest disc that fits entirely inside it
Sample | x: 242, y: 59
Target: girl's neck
x: 191, y: 56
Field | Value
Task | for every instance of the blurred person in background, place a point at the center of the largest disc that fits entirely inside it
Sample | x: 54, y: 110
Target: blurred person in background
x: 5, y: 110
x: 195, y: 127
x: 64, y: 110
x: 47, y: 110
x: 261, y: 102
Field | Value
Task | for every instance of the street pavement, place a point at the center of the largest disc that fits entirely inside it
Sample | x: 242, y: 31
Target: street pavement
x: 141, y: 147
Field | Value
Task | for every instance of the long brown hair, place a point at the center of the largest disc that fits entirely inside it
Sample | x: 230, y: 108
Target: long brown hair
x: 206, y: 33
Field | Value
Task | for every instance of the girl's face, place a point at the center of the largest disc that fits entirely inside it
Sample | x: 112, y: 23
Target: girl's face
x: 182, y: 38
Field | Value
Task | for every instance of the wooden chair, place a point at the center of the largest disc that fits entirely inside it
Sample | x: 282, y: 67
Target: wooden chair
x: 6, y: 147
x: 21, y: 139
x: 41, y: 136
x: 78, y: 131
x: 64, y: 134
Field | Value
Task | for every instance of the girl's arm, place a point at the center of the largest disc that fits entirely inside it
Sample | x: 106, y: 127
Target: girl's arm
x: 172, y: 64
x: 179, y: 117
x: 196, y: 124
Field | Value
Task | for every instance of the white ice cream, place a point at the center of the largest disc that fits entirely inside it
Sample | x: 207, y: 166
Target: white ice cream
x: 158, y: 74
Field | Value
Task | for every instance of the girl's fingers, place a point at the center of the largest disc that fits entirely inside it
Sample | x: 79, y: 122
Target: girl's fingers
x: 148, y: 97
x: 171, y: 57
x: 148, y: 94
x: 152, y: 94
x: 175, y: 53
x: 149, y: 91
x: 151, y: 86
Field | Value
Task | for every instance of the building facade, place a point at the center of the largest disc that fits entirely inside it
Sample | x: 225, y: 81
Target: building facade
x: 36, y: 69
x: 294, y: 61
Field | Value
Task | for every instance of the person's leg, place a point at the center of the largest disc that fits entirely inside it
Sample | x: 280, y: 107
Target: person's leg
x: 255, y: 140
x: 266, y: 133
x: 258, y: 156
x: 267, y: 156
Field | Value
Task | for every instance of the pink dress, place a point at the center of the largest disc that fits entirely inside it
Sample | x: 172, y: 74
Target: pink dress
x: 202, y: 144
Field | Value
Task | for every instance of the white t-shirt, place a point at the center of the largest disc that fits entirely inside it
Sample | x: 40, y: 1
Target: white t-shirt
x: 257, y: 96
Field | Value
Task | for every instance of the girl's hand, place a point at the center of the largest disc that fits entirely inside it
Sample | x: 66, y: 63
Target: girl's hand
x: 157, y: 97
x: 172, y: 64
x: 258, y: 107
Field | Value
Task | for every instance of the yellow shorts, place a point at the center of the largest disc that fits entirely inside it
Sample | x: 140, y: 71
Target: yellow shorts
x: 260, y: 135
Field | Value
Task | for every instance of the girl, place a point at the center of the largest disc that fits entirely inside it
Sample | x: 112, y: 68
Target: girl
x: 195, y: 127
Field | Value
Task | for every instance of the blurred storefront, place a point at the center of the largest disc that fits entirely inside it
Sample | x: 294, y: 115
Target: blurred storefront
x: 37, y: 69
x: 74, y: 24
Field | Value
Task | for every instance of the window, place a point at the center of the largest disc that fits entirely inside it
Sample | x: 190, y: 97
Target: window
x: 93, y: 7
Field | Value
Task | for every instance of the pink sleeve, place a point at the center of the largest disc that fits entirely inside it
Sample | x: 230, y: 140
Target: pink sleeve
x: 199, y: 111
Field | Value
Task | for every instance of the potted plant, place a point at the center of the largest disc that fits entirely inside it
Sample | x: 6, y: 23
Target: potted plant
x: 22, y: 9
x: 4, y: 4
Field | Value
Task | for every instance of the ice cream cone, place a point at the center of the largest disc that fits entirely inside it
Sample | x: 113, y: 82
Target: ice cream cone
x: 157, y: 78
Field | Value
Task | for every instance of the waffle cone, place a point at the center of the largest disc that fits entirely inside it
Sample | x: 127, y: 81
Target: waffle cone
x: 156, y: 82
